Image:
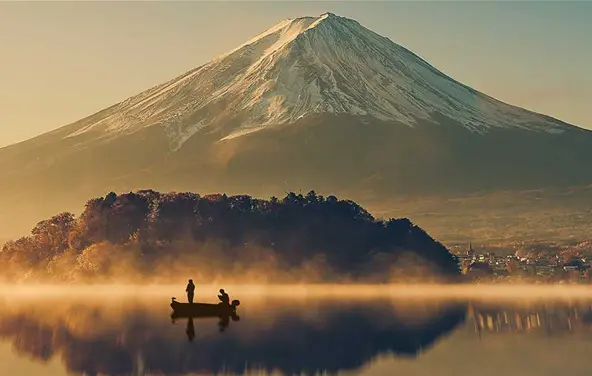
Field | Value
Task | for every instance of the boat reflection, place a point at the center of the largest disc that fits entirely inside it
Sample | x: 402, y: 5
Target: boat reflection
x: 223, y: 322
x: 289, y: 337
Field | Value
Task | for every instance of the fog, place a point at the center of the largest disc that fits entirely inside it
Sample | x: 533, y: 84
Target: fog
x: 153, y: 237
x: 106, y: 263
x: 110, y: 333
x: 494, y: 293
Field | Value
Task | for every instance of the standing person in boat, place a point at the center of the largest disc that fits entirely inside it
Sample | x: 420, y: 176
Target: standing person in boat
x: 224, y: 298
x: 190, y: 290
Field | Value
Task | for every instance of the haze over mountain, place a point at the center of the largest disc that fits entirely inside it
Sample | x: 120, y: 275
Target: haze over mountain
x: 312, y: 103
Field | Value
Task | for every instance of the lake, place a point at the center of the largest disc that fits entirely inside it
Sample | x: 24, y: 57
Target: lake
x: 345, y: 330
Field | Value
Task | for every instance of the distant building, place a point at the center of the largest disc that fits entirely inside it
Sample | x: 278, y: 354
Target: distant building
x: 465, y: 259
x: 470, y: 252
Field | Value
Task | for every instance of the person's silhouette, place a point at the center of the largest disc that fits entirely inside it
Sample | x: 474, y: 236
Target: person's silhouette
x: 190, y: 290
x: 224, y: 298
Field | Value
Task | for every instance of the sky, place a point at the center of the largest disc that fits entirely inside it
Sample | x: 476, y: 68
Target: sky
x: 62, y: 61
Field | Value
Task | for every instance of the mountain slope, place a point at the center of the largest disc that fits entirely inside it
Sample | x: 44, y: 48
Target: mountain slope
x: 310, y: 65
x: 312, y: 103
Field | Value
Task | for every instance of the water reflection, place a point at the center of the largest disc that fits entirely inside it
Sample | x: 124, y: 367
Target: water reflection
x: 302, y: 336
x: 292, y: 336
x: 223, y: 322
x: 548, y: 317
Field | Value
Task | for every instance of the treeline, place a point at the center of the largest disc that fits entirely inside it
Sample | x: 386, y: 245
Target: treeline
x: 152, y: 235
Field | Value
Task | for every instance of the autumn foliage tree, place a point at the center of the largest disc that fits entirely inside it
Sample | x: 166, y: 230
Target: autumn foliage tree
x: 148, y: 229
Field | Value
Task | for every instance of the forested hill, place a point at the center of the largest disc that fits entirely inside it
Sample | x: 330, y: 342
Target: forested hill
x: 157, y: 237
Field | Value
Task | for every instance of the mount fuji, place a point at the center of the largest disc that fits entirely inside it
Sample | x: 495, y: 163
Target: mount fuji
x: 312, y: 103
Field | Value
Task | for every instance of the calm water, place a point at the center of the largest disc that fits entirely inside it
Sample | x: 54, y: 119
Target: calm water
x: 107, y: 334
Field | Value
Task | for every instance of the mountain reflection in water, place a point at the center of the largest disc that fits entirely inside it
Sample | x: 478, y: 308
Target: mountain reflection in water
x: 307, y: 336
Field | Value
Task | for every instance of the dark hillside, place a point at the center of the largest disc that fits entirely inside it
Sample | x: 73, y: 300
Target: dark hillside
x: 149, y: 235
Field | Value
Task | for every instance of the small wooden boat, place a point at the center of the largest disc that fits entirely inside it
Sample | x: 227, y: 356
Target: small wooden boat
x: 204, y: 309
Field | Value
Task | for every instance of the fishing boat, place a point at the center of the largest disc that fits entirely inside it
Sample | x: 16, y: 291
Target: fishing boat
x: 204, y: 309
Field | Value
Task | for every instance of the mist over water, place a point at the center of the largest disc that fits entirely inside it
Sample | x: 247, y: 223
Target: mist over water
x: 296, y: 334
x: 283, y: 329
x: 495, y: 292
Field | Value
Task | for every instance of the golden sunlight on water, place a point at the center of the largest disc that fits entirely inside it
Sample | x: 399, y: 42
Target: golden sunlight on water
x: 367, y: 330
x: 12, y: 364
x: 460, y: 291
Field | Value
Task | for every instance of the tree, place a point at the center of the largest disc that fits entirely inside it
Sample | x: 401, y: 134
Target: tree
x: 52, y: 235
x: 147, y: 229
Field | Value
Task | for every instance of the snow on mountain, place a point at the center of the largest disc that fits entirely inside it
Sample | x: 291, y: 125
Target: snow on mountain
x: 304, y: 66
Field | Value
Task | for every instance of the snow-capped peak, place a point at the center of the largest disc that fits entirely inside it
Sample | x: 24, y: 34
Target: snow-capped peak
x: 279, y: 35
x: 304, y: 66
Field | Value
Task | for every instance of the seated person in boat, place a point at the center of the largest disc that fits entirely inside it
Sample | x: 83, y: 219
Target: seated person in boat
x: 190, y: 290
x: 224, y: 298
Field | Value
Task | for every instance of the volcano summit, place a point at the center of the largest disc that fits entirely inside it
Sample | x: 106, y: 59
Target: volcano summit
x: 307, y: 66
x: 312, y: 103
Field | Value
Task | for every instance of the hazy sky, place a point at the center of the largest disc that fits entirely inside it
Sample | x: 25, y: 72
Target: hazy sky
x: 61, y: 61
